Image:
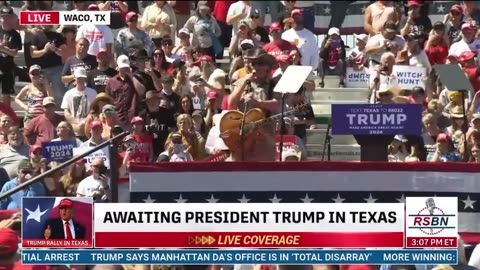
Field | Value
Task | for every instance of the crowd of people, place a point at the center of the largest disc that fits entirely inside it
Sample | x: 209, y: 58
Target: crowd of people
x: 156, y: 74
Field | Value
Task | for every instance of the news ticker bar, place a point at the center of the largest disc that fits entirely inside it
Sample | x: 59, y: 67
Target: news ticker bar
x: 250, y: 239
x: 246, y: 240
x: 192, y: 256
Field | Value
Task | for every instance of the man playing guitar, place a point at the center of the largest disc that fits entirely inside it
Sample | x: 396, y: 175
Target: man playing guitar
x: 256, y: 91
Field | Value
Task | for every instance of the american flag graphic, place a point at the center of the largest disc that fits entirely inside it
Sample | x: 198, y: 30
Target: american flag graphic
x: 353, y: 12
x: 311, y: 182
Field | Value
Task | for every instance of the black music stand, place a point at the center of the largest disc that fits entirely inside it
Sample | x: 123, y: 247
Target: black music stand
x: 290, y: 82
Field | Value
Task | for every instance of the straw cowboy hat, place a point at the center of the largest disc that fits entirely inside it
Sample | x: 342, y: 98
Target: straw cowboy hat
x: 260, y: 55
x: 385, y: 88
x: 402, y: 57
x: 456, y: 112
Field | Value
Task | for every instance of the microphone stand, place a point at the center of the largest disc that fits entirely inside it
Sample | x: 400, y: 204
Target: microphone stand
x: 248, y: 88
x: 282, y: 125
x: 327, y: 143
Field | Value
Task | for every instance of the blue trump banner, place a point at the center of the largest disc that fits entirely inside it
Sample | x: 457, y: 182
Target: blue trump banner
x: 377, y: 119
x: 60, y: 151
x: 250, y: 256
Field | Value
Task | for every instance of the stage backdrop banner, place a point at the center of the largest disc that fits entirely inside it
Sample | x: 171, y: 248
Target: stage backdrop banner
x: 311, y: 182
x: 376, y: 119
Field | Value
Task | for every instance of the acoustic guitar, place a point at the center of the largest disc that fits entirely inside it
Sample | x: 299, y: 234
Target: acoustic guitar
x: 231, y: 123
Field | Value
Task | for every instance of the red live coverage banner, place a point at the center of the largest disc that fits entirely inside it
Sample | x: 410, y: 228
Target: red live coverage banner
x: 249, y: 239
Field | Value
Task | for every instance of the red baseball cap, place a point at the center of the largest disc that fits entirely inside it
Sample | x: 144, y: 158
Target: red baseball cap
x: 101, y: 51
x: 468, y: 26
x: 457, y: 8
x: 130, y: 15
x: 414, y: 3
x: 297, y: 11
x: 8, y: 241
x: 212, y: 95
x: 34, y: 148
x: 93, y: 7
x: 203, y: 58
x: 95, y: 124
x: 275, y: 26
x: 66, y: 203
x: 443, y: 137
x: 137, y: 119
x: 465, y: 56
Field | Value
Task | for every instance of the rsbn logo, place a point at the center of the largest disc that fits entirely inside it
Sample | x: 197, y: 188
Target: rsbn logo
x: 431, y: 220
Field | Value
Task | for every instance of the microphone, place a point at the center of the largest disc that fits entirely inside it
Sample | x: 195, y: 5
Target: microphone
x: 248, y: 82
x: 430, y: 203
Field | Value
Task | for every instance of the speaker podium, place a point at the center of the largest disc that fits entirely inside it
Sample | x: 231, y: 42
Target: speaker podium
x: 374, y: 147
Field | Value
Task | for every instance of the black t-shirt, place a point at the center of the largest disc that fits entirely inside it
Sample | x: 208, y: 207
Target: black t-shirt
x: 12, y: 40
x: 454, y: 33
x: 421, y: 27
x: 174, y: 101
x: 89, y: 63
x: 117, y: 17
x: 97, y: 79
x: 164, y: 120
x: 50, y: 59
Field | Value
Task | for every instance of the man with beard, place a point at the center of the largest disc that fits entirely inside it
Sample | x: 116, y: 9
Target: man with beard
x: 14, y: 153
x: 255, y: 91
x: 98, y: 77
x: 159, y: 120
x: 25, y: 172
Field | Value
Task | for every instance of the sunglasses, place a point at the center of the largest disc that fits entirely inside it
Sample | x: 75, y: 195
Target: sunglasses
x: 25, y: 171
x: 258, y: 63
x: 167, y: 43
x: 157, y: 54
x: 36, y: 73
x: 109, y: 111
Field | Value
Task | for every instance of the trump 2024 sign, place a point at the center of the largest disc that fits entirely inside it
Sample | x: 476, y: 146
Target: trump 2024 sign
x: 376, y: 119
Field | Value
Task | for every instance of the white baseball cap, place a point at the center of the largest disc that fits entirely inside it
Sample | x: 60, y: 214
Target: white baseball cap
x: 291, y: 152
x: 334, y: 30
x: 123, y: 61
x: 80, y: 72
x: 362, y: 37
x: 184, y: 30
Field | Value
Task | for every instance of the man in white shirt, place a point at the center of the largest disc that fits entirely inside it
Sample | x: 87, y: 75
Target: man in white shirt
x: 304, y: 39
x: 308, y: 8
x: 387, y: 41
x: 99, y: 36
x: 97, y: 184
x: 76, y: 102
x: 467, y: 43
